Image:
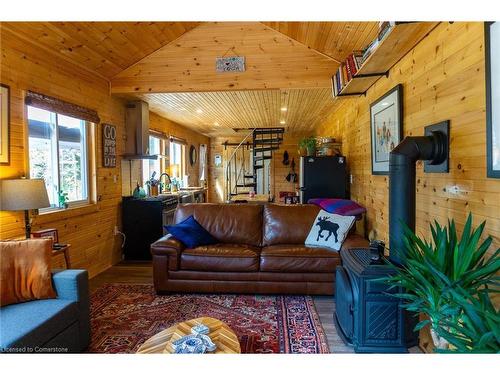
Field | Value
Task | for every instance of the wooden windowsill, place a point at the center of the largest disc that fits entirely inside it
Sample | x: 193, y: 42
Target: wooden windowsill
x: 55, y: 215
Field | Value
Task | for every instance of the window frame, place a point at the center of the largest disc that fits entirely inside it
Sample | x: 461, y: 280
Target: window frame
x: 89, y: 180
x: 162, y: 156
x: 183, y: 168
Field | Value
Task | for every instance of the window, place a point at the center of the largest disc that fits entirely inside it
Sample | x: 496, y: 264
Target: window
x: 59, y: 153
x: 174, y: 165
x: 177, y: 160
x: 156, y: 147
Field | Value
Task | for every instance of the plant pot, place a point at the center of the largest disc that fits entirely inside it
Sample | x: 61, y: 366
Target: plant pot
x: 438, y: 341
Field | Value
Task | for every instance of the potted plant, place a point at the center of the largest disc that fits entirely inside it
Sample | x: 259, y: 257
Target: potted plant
x: 449, y: 280
x: 308, y: 145
x: 63, y: 199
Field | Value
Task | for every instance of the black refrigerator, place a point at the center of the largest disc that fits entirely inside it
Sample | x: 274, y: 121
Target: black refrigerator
x: 322, y: 177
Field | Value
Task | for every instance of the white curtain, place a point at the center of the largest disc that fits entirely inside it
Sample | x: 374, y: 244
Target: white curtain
x: 203, y: 162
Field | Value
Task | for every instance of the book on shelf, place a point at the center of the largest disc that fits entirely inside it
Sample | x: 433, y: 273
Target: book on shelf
x: 346, y: 71
x: 384, y: 28
x: 369, y: 49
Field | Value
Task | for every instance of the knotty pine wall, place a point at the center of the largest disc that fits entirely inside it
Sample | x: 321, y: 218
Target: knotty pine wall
x: 443, y: 79
x: 89, y: 230
x: 168, y: 127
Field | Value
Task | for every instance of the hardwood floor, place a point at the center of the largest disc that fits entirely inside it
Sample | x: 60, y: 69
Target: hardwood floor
x: 142, y: 273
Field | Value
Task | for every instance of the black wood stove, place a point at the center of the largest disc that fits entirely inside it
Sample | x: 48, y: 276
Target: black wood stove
x: 367, y: 315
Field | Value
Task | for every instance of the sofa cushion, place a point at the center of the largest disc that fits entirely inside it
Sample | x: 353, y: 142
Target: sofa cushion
x: 221, y: 257
x: 329, y: 230
x: 35, y: 323
x: 228, y: 223
x: 25, y: 271
x: 191, y: 233
x: 287, y: 224
x: 298, y: 258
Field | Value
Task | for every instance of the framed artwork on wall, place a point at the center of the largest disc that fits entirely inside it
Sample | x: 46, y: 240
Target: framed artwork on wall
x: 4, y: 123
x: 386, y: 124
x: 492, y: 50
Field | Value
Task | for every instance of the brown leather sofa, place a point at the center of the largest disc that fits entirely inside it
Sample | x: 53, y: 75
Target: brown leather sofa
x: 261, y: 250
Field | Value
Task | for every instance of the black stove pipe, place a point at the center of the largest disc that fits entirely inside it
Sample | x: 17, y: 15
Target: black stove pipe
x: 402, y: 168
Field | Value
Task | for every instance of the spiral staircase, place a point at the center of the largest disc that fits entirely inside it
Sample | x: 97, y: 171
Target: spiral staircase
x: 246, y: 168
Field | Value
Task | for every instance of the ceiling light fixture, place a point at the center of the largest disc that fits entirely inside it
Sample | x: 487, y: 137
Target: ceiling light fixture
x: 216, y: 123
x: 282, y: 122
x: 284, y: 109
x: 199, y: 111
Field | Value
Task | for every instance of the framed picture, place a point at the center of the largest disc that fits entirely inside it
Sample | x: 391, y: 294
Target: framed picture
x: 492, y: 48
x: 4, y: 123
x: 52, y: 233
x: 386, y: 123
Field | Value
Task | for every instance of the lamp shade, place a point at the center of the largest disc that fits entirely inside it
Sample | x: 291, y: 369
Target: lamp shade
x: 23, y: 194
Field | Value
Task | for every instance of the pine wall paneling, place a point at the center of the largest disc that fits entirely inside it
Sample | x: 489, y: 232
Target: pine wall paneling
x: 443, y: 79
x: 168, y: 127
x: 89, y: 230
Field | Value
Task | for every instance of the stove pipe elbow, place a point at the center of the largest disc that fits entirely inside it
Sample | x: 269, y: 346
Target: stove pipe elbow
x: 402, y: 195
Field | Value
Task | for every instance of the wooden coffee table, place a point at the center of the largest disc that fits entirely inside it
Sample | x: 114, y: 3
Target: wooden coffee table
x: 220, y: 333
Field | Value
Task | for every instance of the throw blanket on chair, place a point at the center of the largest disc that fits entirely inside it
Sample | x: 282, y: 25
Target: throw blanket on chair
x: 344, y: 207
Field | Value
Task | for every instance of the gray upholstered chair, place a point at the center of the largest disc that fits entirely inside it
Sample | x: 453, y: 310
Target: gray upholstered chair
x: 50, y: 325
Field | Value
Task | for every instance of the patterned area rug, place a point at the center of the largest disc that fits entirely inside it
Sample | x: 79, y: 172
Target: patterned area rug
x: 123, y: 316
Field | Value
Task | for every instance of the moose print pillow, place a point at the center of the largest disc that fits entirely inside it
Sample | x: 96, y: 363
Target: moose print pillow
x: 329, y: 230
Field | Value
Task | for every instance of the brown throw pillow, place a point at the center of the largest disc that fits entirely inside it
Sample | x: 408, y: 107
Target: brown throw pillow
x: 25, y: 271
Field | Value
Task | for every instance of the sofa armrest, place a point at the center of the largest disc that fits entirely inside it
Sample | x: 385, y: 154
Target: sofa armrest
x: 73, y: 285
x: 167, y: 245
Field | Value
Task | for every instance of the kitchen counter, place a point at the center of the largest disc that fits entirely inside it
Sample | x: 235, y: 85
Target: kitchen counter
x: 188, y: 195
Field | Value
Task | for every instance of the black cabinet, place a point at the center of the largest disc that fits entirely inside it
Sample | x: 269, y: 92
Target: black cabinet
x: 142, y: 221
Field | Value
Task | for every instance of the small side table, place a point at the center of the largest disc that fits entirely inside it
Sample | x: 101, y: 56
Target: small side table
x: 65, y: 251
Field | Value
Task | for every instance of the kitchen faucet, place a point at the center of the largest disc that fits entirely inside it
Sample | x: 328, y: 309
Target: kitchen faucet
x: 169, y: 180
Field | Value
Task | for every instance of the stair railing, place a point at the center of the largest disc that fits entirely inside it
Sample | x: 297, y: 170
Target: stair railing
x: 229, y: 189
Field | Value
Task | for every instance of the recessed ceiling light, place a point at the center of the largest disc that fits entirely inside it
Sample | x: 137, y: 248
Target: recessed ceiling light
x: 183, y: 109
x: 284, y: 109
x: 199, y: 111
x: 282, y: 122
x: 216, y: 123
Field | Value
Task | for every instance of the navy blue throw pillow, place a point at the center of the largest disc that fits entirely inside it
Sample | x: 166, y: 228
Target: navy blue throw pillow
x: 191, y: 233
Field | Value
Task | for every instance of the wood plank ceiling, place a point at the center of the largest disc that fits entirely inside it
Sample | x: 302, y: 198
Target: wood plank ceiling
x: 334, y: 39
x: 217, y: 113
x: 110, y: 48
x: 106, y: 48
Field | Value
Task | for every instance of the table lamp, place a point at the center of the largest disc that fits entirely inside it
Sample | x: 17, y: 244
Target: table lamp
x: 23, y: 195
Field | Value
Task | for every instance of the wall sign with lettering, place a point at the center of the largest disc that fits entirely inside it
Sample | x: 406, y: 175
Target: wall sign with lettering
x: 108, y: 146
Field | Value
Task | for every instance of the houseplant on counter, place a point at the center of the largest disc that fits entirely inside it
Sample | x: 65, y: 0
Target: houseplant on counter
x: 308, y: 145
x: 450, y: 280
